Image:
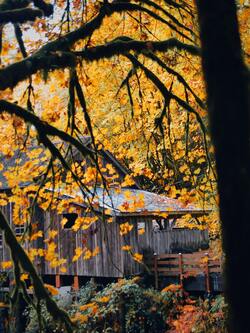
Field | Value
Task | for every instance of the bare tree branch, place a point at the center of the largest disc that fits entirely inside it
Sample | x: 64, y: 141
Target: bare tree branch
x: 20, y: 15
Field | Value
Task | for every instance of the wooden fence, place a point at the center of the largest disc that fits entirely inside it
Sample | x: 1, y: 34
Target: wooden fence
x: 185, y: 265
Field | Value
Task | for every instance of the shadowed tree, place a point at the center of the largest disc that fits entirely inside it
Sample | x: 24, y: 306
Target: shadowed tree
x: 227, y: 82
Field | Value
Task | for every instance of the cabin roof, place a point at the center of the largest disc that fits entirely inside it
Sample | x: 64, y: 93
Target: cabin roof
x: 19, y: 158
x: 122, y: 202
x: 133, y: 202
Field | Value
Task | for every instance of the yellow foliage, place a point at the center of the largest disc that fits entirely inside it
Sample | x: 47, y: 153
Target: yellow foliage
x: 126, y: 247
x: 79, y: 317
x: 137, y: 257
x: 78, y: 253
x: 3, y: 305
x: 128, y: 181
x: 51, y: 289
x: 141, y: 231
x: 36, y: 235
x: 103, y: 299
x: 6, y: 264
x: 24, y: 277
x: 172, y: 288
x: 89, y: 254
x: 52, y: 234
x: 125, y: 228
x: 63, y: 269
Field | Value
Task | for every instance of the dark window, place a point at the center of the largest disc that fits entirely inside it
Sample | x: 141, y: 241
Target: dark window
x: 71, y: 218
x: 19, y: 230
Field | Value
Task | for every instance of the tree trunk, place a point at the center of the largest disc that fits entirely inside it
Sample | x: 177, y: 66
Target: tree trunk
x: 227, y: 94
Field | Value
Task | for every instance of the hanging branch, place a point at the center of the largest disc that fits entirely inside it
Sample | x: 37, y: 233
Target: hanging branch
x: 18, y: 33
x: 161, y: 9
x: 44, y: 130
x: 71, y: 104
x: 180, y: 78
x: 165, y: 92
x: 43, y: 127
x: 168, y: 95
x: 21, y: 258
x: 178, y: 6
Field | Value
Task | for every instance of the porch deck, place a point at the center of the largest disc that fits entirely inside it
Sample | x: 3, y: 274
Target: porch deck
x: 197, y: 271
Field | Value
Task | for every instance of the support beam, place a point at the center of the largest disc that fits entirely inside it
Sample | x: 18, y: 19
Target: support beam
x: 58, y: 281
x: 76, y: 282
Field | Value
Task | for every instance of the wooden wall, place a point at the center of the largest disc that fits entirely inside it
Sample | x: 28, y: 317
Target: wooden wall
x: 111, y: 261
x: 4, y: 252
x: 108, y: 263
x: 162, y: 241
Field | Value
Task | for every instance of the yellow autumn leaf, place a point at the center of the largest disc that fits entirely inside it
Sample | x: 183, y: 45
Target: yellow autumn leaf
x: 24, y: 277
x: 79, y: 317
x: 126, y: 247
x: 6, y: 264
x: 36, y: 235
x: 197, y: 171
x: 87, y: 255
x: 141, y: 231
x: 128, y: 181
x: 54, y: 291
x: 63, y: 269
x: 125, y: 228
x: 78, y: 253
x: 103, y: 299
x: 137, y: 257
x: 52, y: 234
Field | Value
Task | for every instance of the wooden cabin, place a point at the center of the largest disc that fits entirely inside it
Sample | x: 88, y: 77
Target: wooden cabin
x: 156, y: 217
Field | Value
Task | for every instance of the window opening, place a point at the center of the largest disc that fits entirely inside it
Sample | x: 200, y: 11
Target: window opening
x: 19, y: 229
x: 141, y: 225
x: 71, y: 218
x: 159, y: 224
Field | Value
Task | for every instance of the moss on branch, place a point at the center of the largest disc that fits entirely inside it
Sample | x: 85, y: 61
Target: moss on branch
x: 55, y: 54
x: 123, y: 45
x: 11, y: 75
x: 19, y: 71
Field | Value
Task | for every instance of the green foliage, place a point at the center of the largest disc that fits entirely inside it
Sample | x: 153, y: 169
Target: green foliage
x: 125, y: 306
x: 122, y: 304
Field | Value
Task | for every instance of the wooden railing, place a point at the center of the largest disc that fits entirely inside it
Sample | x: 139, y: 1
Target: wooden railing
x: 185, y: 265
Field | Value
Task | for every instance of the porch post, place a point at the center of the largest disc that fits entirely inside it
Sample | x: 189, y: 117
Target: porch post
x: 156, y: 271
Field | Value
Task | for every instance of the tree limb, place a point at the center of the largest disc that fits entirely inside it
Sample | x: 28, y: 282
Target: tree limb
x: 20, y: 15
x: 165, y: 92
x: 42, y: 126
x: 48, y: 60
x: 47, y: 8
x: 11, y: 75
x: 39, y: 289
x: 122, y: 45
